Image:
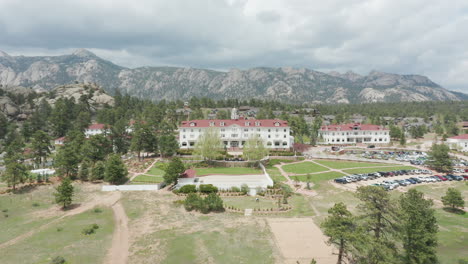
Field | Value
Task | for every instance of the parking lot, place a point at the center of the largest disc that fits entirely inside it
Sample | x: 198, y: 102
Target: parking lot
x: 395, y: 180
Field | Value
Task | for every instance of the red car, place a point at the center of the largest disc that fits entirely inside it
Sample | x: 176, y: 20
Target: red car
x: 441, y: 177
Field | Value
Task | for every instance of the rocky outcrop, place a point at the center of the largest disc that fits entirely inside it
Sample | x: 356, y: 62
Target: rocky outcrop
x: 8, y: 107
x: 156, y: 83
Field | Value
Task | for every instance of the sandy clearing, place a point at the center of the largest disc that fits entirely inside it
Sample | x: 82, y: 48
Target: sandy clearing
x: 118, y: 253
x: 300, y: 239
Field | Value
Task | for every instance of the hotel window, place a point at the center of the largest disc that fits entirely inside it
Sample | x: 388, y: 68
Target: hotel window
x: 223, y: 135
x: 246, y: 130
x: 183, y: 130
x: 257, y: 123
x: 285, y: 130
x: 269, y: 130
x: 211, y: 123
x: 222, y: 129
x: 221, y: 124
x: 284, y: 136
x: 247, y: 123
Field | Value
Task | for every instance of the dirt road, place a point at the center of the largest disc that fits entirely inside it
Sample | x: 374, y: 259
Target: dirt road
x: 118, y: 253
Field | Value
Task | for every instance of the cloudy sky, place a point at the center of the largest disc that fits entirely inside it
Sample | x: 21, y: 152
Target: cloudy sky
x: 428, y: 37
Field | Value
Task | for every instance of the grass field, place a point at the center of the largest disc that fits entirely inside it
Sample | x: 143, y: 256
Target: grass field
x: 69, y: 243
x: 155, y: 171
x: 227, y: 171
x: 303, y: 168
x: 317, y: 178
x: 148, y: 179
x: 343, y: 164
x: 249, y: 202
x: 18, y: 210
x: 275, y: 174
x: 370, y: 170
x: 177, y: 236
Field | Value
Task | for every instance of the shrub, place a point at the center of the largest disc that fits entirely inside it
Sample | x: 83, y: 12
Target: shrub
x: 97, y: 210
x: 87, y: 231
x: 59, y: 229
x: 5, y: 210
x: 6, y: 215
x: 208, y: 188
x: 192, y: 202
x: 212, y: 203
x: 189, y: 188
x: 244, y: 189
x: 235, y: 189
x: 58, y: 260
x: 35, y: 204
x: 183, y: 152
x: 90, y: 230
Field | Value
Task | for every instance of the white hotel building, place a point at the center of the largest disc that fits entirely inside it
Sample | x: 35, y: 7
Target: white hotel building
x: 354, y: 134
x: 235, y: 132
x: 459, y: 142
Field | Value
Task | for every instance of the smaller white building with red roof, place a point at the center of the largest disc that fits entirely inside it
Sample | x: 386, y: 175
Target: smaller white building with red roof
x: 96, y: 129
x: 235, y: 132
x: 354, y: 133
x: 459, y: 142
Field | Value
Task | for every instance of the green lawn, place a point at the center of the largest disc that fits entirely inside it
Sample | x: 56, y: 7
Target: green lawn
x: 69, y: 243
x: 155, y: 170
x: 148, y: 179
x: 227, y: 171
x: 370, y: 170
x: 303, y: 168
x: 275, y: 174
x: 249, y: 202
x: 343, y: 164
x: 316, y: 178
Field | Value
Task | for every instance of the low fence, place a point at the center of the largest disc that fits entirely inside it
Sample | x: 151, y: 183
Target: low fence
x: 146, y: 187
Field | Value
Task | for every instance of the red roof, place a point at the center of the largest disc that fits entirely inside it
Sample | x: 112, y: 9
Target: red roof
x: 464, y: 136
x: 190, y: 173
x: 96, y: 126
x: 239, y: 122
x: 355, y: 126
x: 60, y: 139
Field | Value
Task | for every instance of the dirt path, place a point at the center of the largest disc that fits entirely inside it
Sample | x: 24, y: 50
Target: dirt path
x: 118, y: 253
x: 108, y: 200
x: 300, y: 240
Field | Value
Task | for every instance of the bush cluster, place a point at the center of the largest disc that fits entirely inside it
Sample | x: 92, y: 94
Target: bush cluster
x: 212, y: 203
x: 185, y: 152
x: 283, y: 153
x: 90, y: 230
x: 208, y: 188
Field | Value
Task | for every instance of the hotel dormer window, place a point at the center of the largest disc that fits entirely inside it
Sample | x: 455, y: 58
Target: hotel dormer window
x: 192, y: 124
x: 247, y: 123
x: 277, y: 123
x: 212, y: 123
x: 221, y: 123
x: 257, y: 123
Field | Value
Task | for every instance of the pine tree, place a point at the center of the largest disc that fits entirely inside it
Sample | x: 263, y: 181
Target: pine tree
x: 341, y: 229
x: 418, y: 228
x: 168, y: 145
x: 378, y: 215
x: 15, y: 172
x: 175, y: 168
x: 41, y: 146
x: 97, y: 171
x: 439, y: 158
x: 116, y: 172
x: 64, y: 194
x: 84, y: 172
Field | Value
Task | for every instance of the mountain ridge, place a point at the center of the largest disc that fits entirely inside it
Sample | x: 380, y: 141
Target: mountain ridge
x: 286, y: 84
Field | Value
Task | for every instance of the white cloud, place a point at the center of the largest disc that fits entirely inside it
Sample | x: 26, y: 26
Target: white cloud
x: 412, y: 36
